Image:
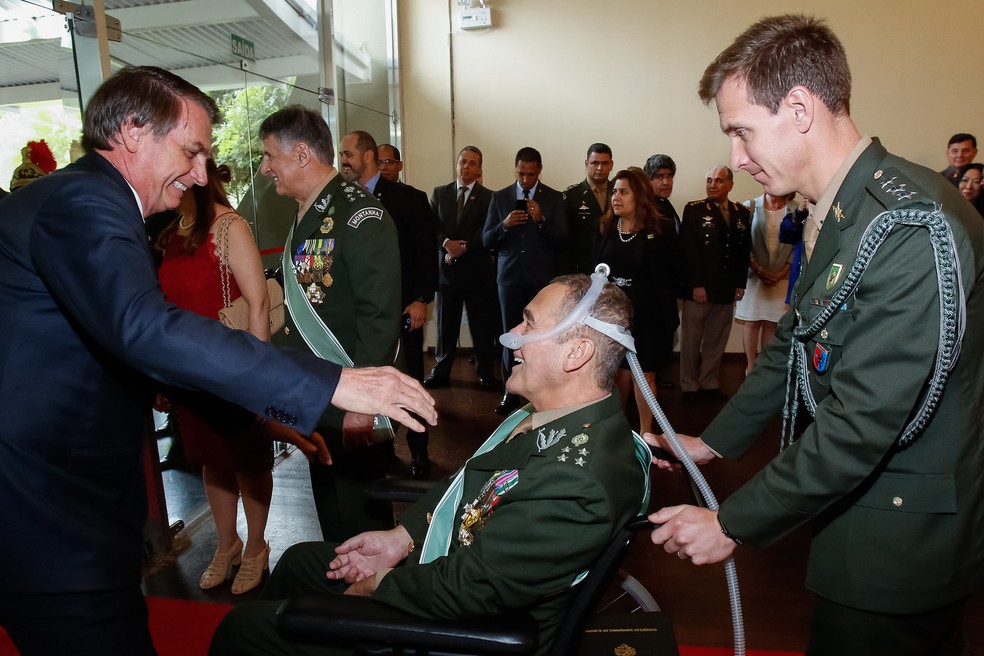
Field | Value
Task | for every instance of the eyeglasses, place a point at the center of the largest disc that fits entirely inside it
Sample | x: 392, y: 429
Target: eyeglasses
x: 389, y: 161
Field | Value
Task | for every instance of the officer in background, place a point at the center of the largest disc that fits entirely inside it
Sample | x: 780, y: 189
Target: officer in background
x: 585, y: 203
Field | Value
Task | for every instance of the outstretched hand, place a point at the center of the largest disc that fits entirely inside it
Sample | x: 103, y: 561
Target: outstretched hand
x: 384, y: 391
x: 312, y: 446
x: 365, y: 554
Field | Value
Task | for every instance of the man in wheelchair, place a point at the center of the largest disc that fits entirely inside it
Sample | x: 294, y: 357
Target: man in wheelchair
x: 524, y: 518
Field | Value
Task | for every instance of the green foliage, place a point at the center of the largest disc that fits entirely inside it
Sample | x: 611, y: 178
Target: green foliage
x: 236, y: 142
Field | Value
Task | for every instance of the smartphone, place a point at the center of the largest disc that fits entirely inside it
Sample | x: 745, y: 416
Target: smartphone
x: 522, y: 205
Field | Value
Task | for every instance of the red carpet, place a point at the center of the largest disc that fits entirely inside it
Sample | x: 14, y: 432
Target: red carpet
x: 184, y: 628
x: 178, y: 627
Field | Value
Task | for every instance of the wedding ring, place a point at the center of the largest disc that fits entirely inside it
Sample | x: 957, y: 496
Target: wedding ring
x: 680, y: 555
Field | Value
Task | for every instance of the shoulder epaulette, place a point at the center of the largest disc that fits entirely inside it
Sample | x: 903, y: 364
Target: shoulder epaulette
x: 894, y: 189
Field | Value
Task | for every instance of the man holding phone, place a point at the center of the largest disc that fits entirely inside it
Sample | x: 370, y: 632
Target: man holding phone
x: 526, y: 225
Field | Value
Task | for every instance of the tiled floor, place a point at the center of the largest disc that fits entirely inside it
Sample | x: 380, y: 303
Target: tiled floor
x: 776, y: 606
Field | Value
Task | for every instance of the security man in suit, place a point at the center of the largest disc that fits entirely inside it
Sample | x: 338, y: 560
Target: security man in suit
x: 85, y: 339
x: 344, y: 300
x: 715, y: 238
x: 540, y: 500
x: 885, y: 340
x: 585, y: 203
x: 467, y: 273
x: 527, y: 226
x: 358, y: 157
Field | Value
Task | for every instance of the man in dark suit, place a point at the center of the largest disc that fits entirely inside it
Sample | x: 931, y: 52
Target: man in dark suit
x: 527, y: 226
x: 84, y: 334
x: 885, y: 344
x: 359, y: 158
x: 715, y: 238
x: 390, y: 164
x: 467, y: 273
x: 585, y: 202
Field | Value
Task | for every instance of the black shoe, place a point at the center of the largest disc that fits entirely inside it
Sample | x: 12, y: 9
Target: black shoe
x: 434, y: 382
x: 489, y: 383
x: 419, y: 465
x: 508, y: 403
x: 690, y: 397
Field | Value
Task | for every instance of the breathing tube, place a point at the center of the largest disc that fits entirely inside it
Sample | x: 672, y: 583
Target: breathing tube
x: 582, y: 314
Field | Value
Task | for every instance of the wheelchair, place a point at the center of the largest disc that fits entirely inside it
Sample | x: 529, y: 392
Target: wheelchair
x: 374, y: 629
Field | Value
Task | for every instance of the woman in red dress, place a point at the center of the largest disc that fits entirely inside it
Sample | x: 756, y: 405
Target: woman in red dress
x: 231, y: 446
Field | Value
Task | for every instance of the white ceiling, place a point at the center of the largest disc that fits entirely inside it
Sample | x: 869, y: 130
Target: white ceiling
x: 189, y: 37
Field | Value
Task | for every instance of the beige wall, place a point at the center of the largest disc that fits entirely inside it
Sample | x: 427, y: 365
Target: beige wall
x: 561, y: 74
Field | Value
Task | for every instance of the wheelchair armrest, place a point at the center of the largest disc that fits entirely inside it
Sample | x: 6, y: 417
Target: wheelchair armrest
x: 398, y: 489
x: 335, y: 619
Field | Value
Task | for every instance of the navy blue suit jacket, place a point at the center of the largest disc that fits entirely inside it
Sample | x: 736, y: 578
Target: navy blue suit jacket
x: 84, y: 333
x: 528, y: 254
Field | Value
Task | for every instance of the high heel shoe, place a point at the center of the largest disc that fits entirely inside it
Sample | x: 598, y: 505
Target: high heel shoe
x: 220, y: 567
x: 251, y: 571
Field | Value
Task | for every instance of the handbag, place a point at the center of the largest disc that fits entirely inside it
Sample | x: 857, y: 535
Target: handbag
x: 235, y: 314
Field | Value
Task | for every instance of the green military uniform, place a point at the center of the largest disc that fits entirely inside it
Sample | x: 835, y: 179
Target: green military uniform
x: 898, y: 530
x: 559, y: 494
x: 583, y: 212
x: 346, y: 250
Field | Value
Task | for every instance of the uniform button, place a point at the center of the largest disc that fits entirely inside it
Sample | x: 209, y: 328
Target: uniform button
x: 824, y: 334
x: 429, y: 518
x: 286, y: 330
x: 897, y: 502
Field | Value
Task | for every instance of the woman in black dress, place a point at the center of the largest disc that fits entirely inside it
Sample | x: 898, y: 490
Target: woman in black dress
x: 639, y: 245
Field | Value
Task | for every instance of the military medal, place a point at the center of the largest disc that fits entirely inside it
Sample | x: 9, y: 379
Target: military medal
x: 477, y: 513
x: 314, y: 294
x: 821, y: 358
x: 579, y: 439
x: 838, y: 212
x: 328, y: 224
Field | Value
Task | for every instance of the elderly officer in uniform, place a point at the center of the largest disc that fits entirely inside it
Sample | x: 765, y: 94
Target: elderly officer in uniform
x: 715, y: 239
x: 890, y: 457
x: 533, y: 508
x: 342, y: 284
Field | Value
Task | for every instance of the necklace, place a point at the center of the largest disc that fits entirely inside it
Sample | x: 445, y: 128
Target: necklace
x: 620, y: 237
x: 181, y: 225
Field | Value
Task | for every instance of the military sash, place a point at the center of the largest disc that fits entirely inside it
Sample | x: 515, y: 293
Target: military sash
x: 437, y: 542
x: 317, y: 335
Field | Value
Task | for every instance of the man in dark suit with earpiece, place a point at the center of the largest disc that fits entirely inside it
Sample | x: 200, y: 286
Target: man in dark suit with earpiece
x: 467, y: 272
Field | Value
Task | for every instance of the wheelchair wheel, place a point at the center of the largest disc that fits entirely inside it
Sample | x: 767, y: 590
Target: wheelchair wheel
x: 627, y: 595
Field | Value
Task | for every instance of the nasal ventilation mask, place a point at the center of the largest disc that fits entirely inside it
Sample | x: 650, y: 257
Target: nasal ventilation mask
x: 582, y: 314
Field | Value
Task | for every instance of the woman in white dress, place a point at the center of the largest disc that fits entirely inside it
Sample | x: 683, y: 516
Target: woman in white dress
x: 765, y: 293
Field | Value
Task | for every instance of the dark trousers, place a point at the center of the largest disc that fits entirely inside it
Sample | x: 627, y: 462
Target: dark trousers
x: 839, y: 630
x: 343, y: 508
x: 412, y: 348
x: 78, y: 624
x: 250, y: 629
x: 483, y: 321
